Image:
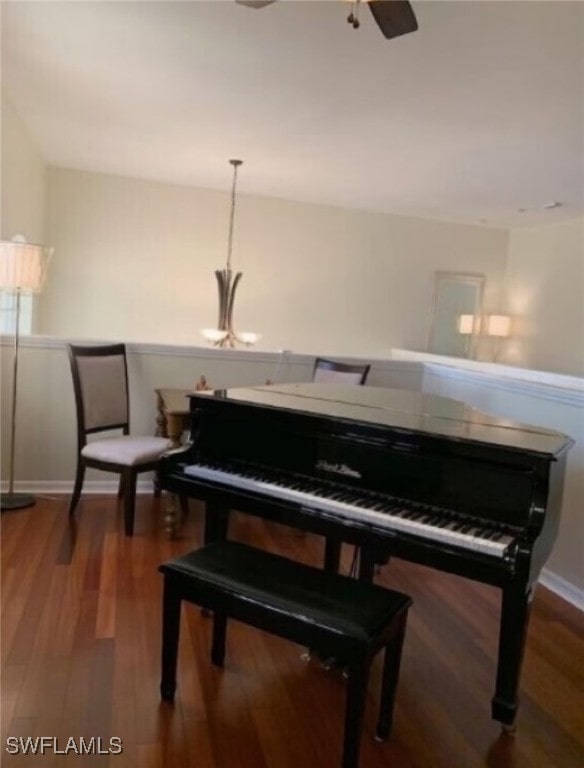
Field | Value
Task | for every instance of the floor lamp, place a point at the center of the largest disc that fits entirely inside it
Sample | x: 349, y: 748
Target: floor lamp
x: 22, y: 271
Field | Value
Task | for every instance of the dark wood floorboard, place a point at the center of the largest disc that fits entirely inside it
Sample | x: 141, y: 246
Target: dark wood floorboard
x: 80, y: 632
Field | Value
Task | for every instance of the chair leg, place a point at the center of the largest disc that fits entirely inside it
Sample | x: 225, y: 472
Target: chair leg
x: 130, y: 477
x: 79, y: 476
x: 391, y: 665
x: 170, y: 634
x: 156, y: 489
x: 121, y: 486
x: 354, y: 710
x: 219, y: 633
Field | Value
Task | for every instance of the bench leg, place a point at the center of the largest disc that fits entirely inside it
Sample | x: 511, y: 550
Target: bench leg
x: 219, y: 632
x: 170, y: 633
x: 391, y: 664
x: 354, y: 710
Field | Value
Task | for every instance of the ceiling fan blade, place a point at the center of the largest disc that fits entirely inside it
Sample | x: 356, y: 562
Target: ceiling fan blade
x: 393, y: 17
x: 255, y: 3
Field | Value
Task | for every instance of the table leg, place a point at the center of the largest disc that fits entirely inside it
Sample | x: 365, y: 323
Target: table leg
x: 172, y: 517
x: 174, y: 429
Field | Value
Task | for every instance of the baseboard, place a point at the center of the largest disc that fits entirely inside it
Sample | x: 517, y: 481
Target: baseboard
x: 50, y: 487
x: 563, y: 588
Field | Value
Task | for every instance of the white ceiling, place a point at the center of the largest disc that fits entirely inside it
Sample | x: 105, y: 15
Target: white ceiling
x: 477, y: 114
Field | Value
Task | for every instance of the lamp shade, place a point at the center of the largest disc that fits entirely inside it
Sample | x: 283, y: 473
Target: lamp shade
x: 465, y: 324
x: 498, y: 325
x: 249, y: 338
x: 23, y: 266
x: 213, y: 334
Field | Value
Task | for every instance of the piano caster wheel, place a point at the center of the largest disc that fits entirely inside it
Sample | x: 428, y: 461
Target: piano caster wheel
x: 306, y: 656
x: 345, y: 674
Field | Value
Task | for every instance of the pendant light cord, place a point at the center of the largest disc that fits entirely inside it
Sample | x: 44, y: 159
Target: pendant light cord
x: 235, y: 164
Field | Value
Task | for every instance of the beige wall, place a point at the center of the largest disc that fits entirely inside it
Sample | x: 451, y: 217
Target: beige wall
x: 23, y: 177
x: 23, y: 182
x: 545, y: 294
x: 135, y: 260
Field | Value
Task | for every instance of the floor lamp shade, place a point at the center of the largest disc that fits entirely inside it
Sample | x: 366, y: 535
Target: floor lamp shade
x: 23, y: 268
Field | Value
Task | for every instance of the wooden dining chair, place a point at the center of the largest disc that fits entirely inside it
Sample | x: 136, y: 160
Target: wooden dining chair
x: 341, y: 373
x: 100, y: 384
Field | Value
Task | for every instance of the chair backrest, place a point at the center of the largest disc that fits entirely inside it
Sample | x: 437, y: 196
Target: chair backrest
x: 100, y: 383
x: 342, y: 373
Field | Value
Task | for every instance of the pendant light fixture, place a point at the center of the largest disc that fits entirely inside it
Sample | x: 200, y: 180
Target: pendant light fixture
x: 227, y: 281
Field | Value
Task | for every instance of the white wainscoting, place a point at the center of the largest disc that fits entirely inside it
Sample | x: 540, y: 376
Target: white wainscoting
x: 46, y: 429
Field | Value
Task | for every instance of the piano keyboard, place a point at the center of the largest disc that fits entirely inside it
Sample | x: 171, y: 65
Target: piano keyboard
x: 422, y: 520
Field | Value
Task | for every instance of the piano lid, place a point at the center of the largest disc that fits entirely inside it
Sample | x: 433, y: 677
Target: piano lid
x: 399, y: 409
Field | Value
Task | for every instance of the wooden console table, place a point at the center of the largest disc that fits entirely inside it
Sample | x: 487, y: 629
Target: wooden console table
x: 172, y: 406
x: 172, y: 417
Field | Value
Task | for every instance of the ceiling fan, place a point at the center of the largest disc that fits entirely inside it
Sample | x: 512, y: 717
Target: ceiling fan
x: 393, y: 17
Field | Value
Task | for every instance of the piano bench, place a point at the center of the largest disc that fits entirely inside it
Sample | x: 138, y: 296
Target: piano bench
x: 341, y: 617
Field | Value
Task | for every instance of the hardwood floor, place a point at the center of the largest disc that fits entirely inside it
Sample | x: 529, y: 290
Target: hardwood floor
x: 81, y: 645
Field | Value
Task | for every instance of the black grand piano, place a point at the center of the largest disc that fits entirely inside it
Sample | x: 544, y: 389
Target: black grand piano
x: 398, y: 473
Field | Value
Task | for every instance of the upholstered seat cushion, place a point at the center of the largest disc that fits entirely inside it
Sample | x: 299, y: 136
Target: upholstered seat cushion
x: 126, y: 450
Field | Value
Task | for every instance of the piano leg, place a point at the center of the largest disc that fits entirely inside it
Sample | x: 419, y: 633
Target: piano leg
x: 332, y: 554
x: 369, y: 556
x: 367, y: 560
x: 216, y: 525
x: 516, y: 603
x: 332, y: 562
x: 216, y: 522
